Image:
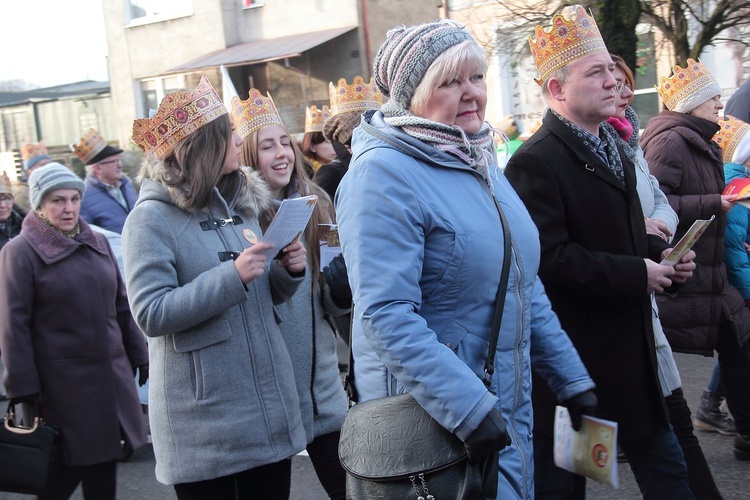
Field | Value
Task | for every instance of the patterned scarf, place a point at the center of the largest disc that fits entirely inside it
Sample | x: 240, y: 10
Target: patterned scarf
x: 476, y: 150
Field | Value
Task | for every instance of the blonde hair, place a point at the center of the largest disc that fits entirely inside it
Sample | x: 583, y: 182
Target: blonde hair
x: 446, y: 66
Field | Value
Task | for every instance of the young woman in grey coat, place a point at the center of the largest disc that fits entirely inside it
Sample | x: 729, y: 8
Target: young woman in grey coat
x: 270, y: 149
x: 223, y: 405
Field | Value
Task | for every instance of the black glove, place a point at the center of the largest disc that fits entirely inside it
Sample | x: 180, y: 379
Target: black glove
x: 338, y: 282
x: 142, y: 374
x: 30, y: 399
x: 581, y: 404
x: 489, y: 437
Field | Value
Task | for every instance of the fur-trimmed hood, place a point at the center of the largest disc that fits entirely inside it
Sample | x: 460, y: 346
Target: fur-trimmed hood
x: 252, y: 199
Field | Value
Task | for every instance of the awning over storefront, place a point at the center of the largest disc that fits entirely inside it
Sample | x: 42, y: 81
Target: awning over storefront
x: 262, y: 50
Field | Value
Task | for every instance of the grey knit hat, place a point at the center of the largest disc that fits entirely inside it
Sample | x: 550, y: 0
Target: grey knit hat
x: 50, y: 177
x: 407, y: 53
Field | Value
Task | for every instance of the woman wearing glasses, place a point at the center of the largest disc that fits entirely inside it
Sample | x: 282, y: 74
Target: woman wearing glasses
x: 110, y: 195
x: 661, y: 220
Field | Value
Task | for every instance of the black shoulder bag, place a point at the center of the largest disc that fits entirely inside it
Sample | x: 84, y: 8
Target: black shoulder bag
x: 391, y: 448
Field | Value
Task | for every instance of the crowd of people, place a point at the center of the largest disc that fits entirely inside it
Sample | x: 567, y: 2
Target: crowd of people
x: 110, y: 284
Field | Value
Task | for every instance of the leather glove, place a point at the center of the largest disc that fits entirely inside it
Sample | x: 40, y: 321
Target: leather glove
x: 489, y: 437
x: 30, y: 399
x: 581, y: 404
x: 142, y: 374
x: 338, y: 282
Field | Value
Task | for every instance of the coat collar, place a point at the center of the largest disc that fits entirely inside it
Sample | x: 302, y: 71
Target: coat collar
x: 52, y: 246
x: 589, y: 160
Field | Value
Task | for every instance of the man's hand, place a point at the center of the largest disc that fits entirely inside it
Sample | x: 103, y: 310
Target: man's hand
x: 579, y: 405
x: 683, y: 270
x: 659, y: 277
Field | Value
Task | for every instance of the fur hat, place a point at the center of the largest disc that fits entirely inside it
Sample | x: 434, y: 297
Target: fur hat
x: 49, y: 178
x: 339, y: 128
x: 407, y: 53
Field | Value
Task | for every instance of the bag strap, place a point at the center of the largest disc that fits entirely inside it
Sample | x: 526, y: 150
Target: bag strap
x: 497, y: 318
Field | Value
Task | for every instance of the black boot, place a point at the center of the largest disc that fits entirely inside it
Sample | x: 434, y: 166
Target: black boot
x: 709, y: 417
x: 742, y: 447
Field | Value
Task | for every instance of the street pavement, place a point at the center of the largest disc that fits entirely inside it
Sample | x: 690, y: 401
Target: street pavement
x: 136, y: 479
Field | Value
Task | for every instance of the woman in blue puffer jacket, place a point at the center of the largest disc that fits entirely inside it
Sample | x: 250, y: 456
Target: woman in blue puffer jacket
x: 423, y: 242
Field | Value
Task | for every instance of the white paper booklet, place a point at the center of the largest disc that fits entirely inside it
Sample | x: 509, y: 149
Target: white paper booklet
x: 590, y: 452
x: 330, y: 245
x: 289, y: 223
x: 686, y: 242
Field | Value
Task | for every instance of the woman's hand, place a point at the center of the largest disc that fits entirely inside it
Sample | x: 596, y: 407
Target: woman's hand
x: 727, y: 202
x: 658, y: 227
x: 252, y: 263
x: 294, y: 257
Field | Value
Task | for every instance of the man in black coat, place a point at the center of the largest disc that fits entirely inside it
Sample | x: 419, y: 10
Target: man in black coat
x: 598, y: 265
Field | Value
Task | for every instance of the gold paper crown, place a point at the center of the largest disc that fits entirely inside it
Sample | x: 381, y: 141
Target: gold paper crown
x: 357, y: 97
x: 5, y: 186
x: 179, y: 115
x: 573, y: 34
x: 29, y: 151
x: 729, y: 136
x: 315, y: 118
x: 254, y: 113
x: 92, y: 143
x: 688, y: 87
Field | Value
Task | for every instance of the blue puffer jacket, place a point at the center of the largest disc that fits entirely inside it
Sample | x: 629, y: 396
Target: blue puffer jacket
x: 737, y: 234
x: 424, y: 248
x: 100, y: 209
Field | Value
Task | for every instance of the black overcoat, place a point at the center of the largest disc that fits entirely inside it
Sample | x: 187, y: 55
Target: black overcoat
x: 593, y: 242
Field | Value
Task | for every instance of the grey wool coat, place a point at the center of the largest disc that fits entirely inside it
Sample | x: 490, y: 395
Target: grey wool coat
x: 312, y: 346
x: 222, y: 396
x: 67, y: 334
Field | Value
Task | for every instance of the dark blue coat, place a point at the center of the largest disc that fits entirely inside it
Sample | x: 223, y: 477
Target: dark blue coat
x: 99, y: 208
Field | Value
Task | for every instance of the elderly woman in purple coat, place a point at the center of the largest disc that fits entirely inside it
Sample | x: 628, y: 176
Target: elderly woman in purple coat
x: 69, y: 343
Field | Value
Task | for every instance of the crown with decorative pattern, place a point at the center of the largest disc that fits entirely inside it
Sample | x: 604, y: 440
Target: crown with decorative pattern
x: 5, y: 185
x: 29, y: 151
x: 734, y: 140
x: 92, y: 143
x: 315, y: 118
x: 688, y: 87
x: 179, y: 115
x: 254, y: 113
x: 572, y: 35
x: 358, y: 96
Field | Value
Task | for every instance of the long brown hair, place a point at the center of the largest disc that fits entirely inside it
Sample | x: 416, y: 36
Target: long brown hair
x: 323, y: 212
x: 196, y: 163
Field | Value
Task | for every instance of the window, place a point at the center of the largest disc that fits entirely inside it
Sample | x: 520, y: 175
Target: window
x: 154, y: 90
x: 149, y: 11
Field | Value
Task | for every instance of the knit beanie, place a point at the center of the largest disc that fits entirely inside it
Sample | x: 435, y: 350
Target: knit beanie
x: 339, y: 128
x: 407, y: 53
x: 49, y: 178
x: 688, y: 87
x: 27, y: 164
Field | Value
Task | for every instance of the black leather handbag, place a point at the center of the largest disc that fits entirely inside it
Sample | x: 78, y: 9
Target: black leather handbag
x: 29, y: 456
x: 392, y: 449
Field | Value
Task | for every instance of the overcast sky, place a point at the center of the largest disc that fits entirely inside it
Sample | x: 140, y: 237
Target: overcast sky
x: 52, y: 42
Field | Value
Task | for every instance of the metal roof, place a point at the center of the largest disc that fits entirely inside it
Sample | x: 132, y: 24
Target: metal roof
x: 67, y: 91
x: 262, y: 50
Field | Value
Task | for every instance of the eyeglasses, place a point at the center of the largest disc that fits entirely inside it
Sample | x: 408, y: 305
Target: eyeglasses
x: 620, y: 86
x: 116, y: 161
x: 6, y: 199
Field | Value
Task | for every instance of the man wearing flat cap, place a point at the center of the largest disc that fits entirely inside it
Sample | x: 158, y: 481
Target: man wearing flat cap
x: 598, y: 265
x: 110, y: 195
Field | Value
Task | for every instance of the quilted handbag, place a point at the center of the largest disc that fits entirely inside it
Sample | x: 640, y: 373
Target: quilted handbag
x: 392, y: 449
x: 29, y: 456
